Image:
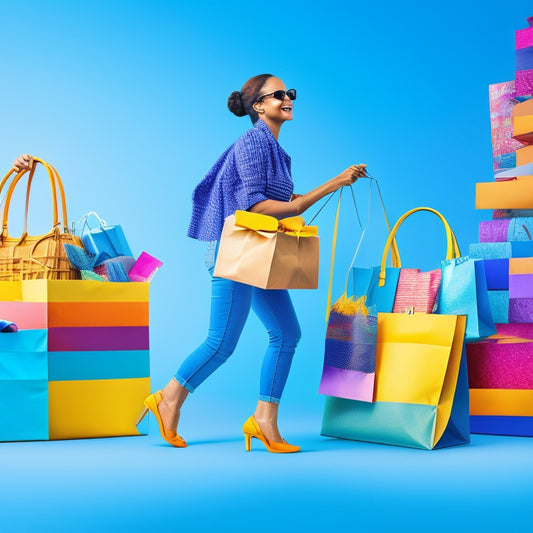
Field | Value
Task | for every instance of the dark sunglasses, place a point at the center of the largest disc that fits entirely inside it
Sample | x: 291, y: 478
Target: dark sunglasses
x: 279, y: 95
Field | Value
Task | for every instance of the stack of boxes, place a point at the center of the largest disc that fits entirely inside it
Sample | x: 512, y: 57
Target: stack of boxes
x: 501, y: 368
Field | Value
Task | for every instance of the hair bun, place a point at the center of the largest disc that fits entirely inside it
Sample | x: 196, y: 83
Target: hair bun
x: 235, y: 104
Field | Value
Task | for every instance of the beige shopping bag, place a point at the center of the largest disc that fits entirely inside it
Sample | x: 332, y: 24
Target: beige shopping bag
x: 261, y: 251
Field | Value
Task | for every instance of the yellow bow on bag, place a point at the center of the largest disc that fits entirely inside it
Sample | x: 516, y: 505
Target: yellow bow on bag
x: 291, y: 226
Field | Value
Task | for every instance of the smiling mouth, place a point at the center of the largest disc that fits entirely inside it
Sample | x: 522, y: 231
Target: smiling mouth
x: 286, y: 108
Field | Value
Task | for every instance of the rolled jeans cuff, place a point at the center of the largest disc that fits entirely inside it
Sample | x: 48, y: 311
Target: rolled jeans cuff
x: 184, y: 383
x: 270, y: 399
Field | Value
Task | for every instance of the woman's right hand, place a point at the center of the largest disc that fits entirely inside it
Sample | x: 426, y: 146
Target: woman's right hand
x: 349, y: 176
x: 24, y: 161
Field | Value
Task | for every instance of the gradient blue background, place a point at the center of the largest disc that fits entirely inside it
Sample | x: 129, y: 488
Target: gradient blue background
x: 128, y: 101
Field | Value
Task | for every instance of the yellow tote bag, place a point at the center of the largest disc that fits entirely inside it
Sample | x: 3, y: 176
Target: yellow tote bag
x: 421, y: 387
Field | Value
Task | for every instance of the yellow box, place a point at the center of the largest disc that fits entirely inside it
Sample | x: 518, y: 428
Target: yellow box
x: 95, y: 408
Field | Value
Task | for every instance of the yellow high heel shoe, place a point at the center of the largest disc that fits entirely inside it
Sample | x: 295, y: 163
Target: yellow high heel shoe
x: 251, y: 429
x: 151, y: 404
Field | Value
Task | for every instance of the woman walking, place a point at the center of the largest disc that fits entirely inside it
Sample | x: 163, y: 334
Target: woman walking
x: 253, y: 174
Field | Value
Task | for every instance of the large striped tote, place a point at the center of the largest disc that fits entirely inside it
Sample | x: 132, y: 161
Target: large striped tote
x: 421, y: 386
x: 96, y: 346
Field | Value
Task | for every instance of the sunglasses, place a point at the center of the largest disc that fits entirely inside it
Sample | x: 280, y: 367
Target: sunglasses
x: 279, y: 95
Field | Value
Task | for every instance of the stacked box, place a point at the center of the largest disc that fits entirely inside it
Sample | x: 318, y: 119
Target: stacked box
x: 97, y: 347
x: 501, y: 367
x: 500, y: 375
x: 524, y: 60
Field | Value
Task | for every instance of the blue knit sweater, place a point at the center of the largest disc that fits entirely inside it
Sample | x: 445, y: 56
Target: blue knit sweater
x: 253, y: 169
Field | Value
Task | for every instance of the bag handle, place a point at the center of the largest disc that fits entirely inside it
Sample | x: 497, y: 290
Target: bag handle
x: 84, y: 221
x: 395, y: 256
x: 452, y: 248
x: 55, y: 183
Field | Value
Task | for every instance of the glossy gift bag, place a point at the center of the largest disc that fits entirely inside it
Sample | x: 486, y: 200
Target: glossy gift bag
x: 421, y: 388
x: 24, y: 385
x: 104, y: 241
x: 258, y: 250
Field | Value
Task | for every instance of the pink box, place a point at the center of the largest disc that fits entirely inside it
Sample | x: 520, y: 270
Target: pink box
x: 524, y: 38
x: 524, y: 82
x: 144, y: 268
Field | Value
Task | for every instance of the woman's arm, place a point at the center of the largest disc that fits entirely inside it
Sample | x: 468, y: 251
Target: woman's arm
x: 301, y: 203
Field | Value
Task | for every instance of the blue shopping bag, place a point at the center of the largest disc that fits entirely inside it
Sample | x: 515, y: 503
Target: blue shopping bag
x: 366, y: 282
x: 24, y: 385
x: 104, y: 241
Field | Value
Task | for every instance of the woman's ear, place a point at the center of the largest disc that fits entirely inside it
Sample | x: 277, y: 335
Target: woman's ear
x: 258, y: 109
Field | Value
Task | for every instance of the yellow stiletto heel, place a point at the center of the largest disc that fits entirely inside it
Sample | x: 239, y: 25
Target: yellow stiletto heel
x: 152, y: 404
x: 141, y: 417
x: 248, y: 439
x: 251, y: 429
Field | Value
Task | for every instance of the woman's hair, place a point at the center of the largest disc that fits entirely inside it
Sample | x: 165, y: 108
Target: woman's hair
x: 241, y: 103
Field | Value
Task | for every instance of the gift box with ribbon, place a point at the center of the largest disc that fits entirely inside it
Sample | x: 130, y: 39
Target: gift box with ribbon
x: 261, y: 251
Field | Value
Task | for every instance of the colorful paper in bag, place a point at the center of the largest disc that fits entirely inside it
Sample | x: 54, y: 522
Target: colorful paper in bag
x: 350, y: 352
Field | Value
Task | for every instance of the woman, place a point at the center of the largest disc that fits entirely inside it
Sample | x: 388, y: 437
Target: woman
x: 253, y: 174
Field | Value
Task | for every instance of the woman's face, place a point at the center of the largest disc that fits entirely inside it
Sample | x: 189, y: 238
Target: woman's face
x: 272, y: 109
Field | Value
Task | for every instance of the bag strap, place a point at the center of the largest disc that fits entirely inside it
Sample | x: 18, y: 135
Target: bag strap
x: 84, y: 222
x: 55, y: 183
x: 452, y: 248
x: 395, y: 256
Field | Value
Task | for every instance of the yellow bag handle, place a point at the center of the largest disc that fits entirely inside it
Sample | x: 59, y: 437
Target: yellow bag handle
x: 55, y: 183
x: 452, y: 248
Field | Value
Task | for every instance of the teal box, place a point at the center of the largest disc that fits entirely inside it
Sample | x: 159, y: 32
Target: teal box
x: 111, y: 364
x: 501, y: 250
x: 24, y: 385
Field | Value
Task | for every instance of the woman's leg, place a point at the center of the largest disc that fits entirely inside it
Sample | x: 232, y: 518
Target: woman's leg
x: 275, y: 310
x: 230, y: 306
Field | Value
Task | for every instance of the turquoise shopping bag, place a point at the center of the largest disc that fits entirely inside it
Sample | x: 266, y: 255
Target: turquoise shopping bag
x: 24, y: 385
x: 463, y: 291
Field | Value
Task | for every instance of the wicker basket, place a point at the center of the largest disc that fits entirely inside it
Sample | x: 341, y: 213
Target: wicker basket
x: 42, y: 256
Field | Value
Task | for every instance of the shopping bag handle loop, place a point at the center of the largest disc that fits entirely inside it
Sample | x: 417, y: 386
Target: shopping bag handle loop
x: 55, y: 184
x: 395, y: 256
x: 452, y: 248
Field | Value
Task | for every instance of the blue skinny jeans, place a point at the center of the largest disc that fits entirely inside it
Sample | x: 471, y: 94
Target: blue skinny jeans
x: 230, y: 305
